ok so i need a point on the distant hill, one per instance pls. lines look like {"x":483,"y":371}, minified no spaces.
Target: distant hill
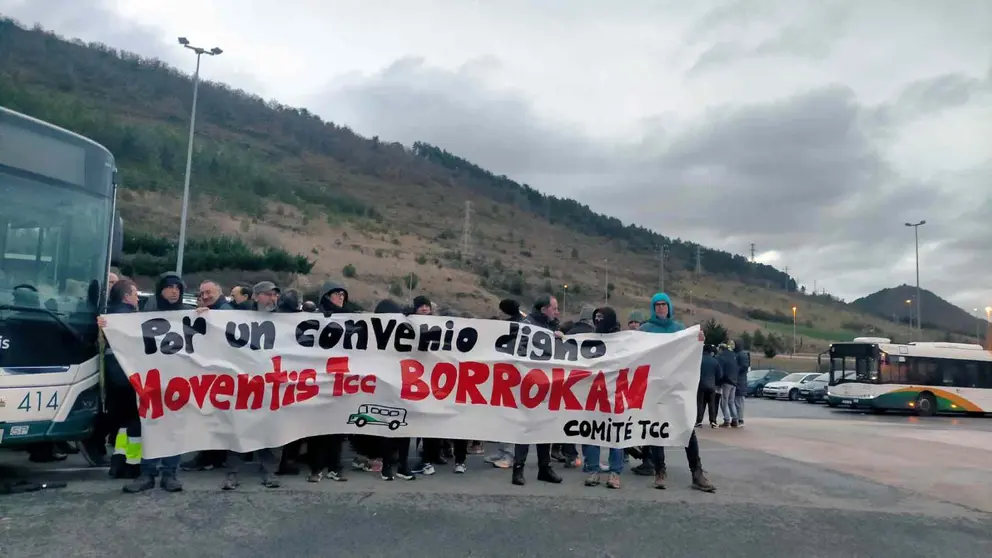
{"x":937,"y":312}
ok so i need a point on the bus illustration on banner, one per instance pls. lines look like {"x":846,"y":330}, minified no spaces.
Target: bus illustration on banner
{"x":393,"y":417}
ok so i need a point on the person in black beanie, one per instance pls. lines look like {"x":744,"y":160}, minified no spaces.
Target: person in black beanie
{"x":422,"y":306}
{"x":544,"y":315}
{"x":511,"y":308}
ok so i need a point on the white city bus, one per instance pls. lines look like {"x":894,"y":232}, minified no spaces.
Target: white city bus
{"x":58,"y":229}
{"x":926,"y":378}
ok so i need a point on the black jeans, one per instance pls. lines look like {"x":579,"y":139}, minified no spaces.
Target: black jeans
{"x":704,"y":398}
{"x":324,"y":452}
{"x":520,"y":452}
{"x":461,"y":450}
{"x":432,"y":450}
{"x":691,"y":453}
{"x":396,"y":454}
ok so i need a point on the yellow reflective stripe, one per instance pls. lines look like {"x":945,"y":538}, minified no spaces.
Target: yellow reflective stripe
{"x":133,"y":451}
{"x":120,"y":442}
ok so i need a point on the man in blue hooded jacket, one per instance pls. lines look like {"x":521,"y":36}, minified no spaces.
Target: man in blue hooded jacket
{"x":662,"y":321}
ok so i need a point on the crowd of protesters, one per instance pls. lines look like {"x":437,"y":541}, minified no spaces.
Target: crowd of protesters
{"x":389,"y":458}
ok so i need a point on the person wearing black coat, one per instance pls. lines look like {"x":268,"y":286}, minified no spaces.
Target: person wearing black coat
{"x":122,"y":405}
{"x":710,"y":372}
{"x":728,"y":385}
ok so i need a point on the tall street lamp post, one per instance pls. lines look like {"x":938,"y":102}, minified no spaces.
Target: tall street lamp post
{"x":189,"y":148}
{"x":919,"y":311}
{"x":794,"y":331}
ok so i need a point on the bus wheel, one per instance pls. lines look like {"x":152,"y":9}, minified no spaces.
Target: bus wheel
{"x":394,"y":425}
{"x":360,"y":422}
{"x":926,"y":404}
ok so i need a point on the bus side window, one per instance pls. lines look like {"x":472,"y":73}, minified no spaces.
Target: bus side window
{"x":984,"y":379}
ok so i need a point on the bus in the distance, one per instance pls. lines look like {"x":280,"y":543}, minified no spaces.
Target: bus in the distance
{"x":925,"y":378}
{"x":58,"y":231}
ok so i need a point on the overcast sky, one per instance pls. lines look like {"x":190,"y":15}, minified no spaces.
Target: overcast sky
{"x":814,"y":129}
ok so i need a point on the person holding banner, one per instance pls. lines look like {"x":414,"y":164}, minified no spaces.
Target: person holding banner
{"x":662,"y":321}
{"x":544,"y":314}
{"x":590,"y":454}
{"x":168,"y":297}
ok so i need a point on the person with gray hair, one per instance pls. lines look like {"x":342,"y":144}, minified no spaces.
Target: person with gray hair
{"x":266,"y":296}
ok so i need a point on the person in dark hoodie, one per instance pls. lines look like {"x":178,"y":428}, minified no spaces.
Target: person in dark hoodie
{"x":334,"y":299}
{"x":744,"y":366}
{"x":728,"y":385}
{"x":710,"y":373}
{"x":168,"y":297}
{"x":396,"y":451}
{"x":503,"y":458}
{"x":585,"y":322}
{"x":544,"y":314}
{"x":662,"y":320}
{"x":122,"y":406}
{"x":568,"y":453}
{"x":590,"y":454}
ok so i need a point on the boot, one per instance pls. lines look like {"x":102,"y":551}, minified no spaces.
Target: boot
{"x":518,"y":475}
{"x":700,"y":482}
{"x":140,"y":484}
{"x":547,"y":474}
{"x":659,"y":479}
{"x":170,"y":483}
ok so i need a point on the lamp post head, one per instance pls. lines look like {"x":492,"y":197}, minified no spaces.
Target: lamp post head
{"x":565,"y":286}
{"x":183,"y":41}
{"x":215,"y":51}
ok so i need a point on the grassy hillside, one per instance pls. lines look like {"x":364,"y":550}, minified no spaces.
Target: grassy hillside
{"x":281,"y":178}
{"x":937,"y":312}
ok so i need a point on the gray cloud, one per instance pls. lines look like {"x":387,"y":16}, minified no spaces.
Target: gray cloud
{"x":801,"y":176}
{"x":410,"y":101}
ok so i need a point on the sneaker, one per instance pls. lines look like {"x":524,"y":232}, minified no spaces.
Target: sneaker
{"x":592,"y":479}
{"x":315,"y":477}
{"x":373,"y":466}
{"x":613,"y":481}
{"x":558,"y":456}
{"x":575,"y":463}
{"x":714,"y":425}
{"x":725,"y":424}
{"x":734,"y":424}
{"x":700,"y":482}
{"x":359,"y":463}
{"x":698,"y":425}
{"x":386,"y":473}
{"x":140,"y":484}
{"x":740,"y":423}
{"x":659,"y":480}
{"x":230,"y":482}
{"x":504,"y":462}
{"x":460,"y":468}
{"x":170,"y":483}
{"x":334,"y":476}
{"x":477,"y":448}
{"x":407,"y":476}
{"x":424,"y":469}
{"x":271,"y":482}
{"x":195,"y":464}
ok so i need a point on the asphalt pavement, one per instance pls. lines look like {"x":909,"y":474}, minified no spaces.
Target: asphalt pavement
{"x":798,"y":480}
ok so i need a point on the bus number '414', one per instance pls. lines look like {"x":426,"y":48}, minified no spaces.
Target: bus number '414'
{"x":53,"y":402}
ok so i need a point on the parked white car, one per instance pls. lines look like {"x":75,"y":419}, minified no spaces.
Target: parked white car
{"x":788,"y":387}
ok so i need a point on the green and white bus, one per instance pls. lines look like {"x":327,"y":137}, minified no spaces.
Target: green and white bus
{"x":925,"y":378}
{"x":58,"y":231}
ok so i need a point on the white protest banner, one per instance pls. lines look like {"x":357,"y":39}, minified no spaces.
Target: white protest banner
{"x":246,"y":380}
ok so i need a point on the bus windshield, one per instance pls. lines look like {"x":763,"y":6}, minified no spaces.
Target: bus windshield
{"x":853,"y":362}
{"x":54,"y":244}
